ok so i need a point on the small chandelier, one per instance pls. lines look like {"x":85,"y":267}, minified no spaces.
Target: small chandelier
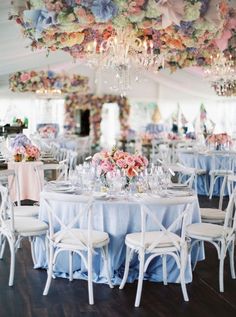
{"x":222,"y":74}
{"x":121,"y":52}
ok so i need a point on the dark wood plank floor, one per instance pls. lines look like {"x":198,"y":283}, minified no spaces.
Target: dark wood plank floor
{"x":70,"y":299}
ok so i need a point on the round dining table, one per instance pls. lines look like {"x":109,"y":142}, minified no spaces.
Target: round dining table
{"x":119,"y":216}
{"x":204,"y":160}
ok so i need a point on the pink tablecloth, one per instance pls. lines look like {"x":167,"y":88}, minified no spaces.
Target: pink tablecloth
{"x":28,"y":182}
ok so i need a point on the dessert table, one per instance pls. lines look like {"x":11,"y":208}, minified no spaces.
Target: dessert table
{"x":28,"y":183}
{"x":118,"y":216}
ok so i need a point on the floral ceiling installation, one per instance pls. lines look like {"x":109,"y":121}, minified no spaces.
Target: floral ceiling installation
{"x":189,"y":31}
{"x":94,"y":104}
{"x":34,"y":81}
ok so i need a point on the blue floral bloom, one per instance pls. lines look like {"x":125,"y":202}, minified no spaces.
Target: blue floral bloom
{"x":51,"y":74}
{"x":20,"y":140}
{"x":39,"y":20}
{"x":86,"y":3}
{"x":186,"y":27}
{"x":71,"y":3}
{"x":204,"y":7}
{"x":58,"y":84}
{"x":104,"y":10}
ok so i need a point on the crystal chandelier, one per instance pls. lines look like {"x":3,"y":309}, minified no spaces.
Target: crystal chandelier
{"x":48,"y":91}
{"x":222,"y":74}
{"x":122,"y":52}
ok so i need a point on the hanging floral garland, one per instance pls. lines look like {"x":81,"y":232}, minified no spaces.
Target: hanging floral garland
{"x":33,"y":81}
{"x":190,"y":30}
{"x":94,"y":104}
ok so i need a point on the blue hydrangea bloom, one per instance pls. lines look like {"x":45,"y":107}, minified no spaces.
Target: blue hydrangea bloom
{"x":58,"y":84}
{"x":104,"y":10}
{"x":51,"y":74}
{"x":39,"y":20}
{"x":20,"y":140}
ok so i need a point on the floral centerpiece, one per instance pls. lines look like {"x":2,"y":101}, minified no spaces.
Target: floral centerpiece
{"x":21,"y":146}
{"x":48,"y":131}
{"x":115,"y":160}
{"x":32,"y":153}
{"x":220,"y":140}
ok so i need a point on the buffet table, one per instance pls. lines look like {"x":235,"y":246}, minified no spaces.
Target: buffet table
{"x":117,"y":216}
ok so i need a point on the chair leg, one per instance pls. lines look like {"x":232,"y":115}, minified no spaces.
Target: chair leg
{"x":140,"y":279}
{"x":164,"y":269}
{"x":32,"y":240}
{"x":211,"y":186}
{"x":3,"y":245}
{"x":90,"y":278}
{"x":231,"y":255}
{"x":206,"y":184}
{"x":221,"y":269}
{"x":50,"y":270}
{"x":70,"y":266}
{"x":222,"y":191}
{"x":105,"y":258}
{"x":128,"y":257}
{"x":12,"y":265}
{"x":184,"y":257}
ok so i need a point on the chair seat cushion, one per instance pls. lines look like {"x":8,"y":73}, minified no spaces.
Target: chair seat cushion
{"x":134,"y":239}
{"x":212,"y":214}
{"x":206,"y":230}
{"x":76,"y":236}
{"x":26,"y":211}
{"x":28,"y":226}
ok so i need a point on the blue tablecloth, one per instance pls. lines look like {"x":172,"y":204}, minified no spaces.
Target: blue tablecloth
{"x":118,"y":218}
{"x":204,"y":161}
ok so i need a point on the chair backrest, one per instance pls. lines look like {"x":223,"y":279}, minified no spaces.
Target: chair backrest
{"x":6,"y":208}
{"x":62,"y":225}
{"x":178,"y":225}
{"x":60,"y":168}
{"x":9,"y":178}
{"x":230,"y":217}
{"x":222,"y":160}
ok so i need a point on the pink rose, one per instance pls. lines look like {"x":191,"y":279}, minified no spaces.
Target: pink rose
{"x":121,"y":163}
{"x":107,"y":166}
{"x":24,"y":77}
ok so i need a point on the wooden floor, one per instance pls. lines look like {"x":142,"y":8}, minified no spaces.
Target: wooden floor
{"x":70,"y":299}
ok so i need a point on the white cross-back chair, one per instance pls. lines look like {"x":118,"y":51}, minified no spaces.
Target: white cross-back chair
{"x":221,"y":236}
{"x":14,"y":229}
{"x":59,"y":168}
{"x":162,"y":242}
{"x":9,"y":178}
{"x":186,"y":175}
{"x":74,"y":237}
{"x":222,"y":165}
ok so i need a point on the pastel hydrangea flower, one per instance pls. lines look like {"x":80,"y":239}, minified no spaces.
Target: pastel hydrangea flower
{"x":104,"y":10}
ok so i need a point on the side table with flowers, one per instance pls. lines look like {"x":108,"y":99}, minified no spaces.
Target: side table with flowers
{"x":23,"y":148}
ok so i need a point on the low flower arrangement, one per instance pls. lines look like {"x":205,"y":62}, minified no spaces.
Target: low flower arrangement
{"x":48,"y":131}
{"x":32,"y":153}
{"x":22,"y":147}
{"x":130,"y":164}
{"x":219,"y":140}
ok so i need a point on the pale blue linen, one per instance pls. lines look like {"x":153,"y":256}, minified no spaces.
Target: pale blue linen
{"x":204,"y":162}
{"x":117,"y":218}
